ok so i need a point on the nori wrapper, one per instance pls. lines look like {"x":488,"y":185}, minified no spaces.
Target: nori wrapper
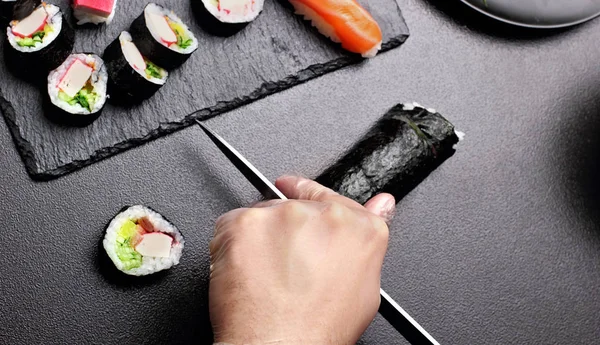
{"x":34,"y":66}
{"x":6,"y":12}
{"x":126,"y":85}
{"x":211,"y":24}
{"x":153,"y":50}
{"x":395,"y":155}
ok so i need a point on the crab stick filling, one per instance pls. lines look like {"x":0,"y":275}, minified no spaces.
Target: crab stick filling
{"x":35,"y":22}
{"x":133,"y":55}
{"x":160,"y":26}
{"x":75,"y":78}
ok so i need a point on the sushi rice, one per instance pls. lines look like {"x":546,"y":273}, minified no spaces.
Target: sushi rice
{"x":87,"y":18}
{"x":173,"y":18}
{"x":114,"y":240}
{"x":252,"y":9}
{"x":99,"y":81}
{"x":54,"y":20}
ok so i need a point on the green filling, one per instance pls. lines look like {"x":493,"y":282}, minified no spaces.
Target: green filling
{"x":36,"y":38}
{"x":84,"y":98}
{"x":183,"y":41}
{"x":125,"y":251}
{"x":153,"y":71}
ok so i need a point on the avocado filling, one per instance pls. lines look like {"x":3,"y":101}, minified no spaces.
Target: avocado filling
{"x":36,"y":38}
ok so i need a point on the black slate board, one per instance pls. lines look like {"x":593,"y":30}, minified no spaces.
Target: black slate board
{"x":275,"y":52}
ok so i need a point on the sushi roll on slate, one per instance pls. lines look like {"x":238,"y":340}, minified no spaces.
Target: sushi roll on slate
{"x":343,"y":21}
{"x":162,"y":37}
{"x":77,"y":90}
{"x":132,"y":77}
{"x":6,"y":11}
{"x":40,"y":39}
{"x":395,"y":155}
{"x":139,"y":241}
{"x":94,"y":11}
{"x":226,"y":17}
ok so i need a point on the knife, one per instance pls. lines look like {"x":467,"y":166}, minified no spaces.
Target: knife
{"x":389,"y":309}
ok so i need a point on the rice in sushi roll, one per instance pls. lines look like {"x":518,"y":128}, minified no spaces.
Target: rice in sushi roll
{"x":140,"y":241}
{"x":77,"y":90}
{"x":162,"y":37}
{"x":226,"y":17}
{"x":132,"y":76}
{"x":40,"y":39}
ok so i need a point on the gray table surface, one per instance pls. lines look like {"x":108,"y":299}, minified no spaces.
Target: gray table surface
{"x":500,"y":245}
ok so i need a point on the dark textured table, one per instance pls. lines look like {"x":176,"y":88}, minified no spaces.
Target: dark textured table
{"x":500,"y":245}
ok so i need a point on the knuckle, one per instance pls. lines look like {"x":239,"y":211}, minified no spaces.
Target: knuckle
{"x":335,"y":212}
{"x":248,"y":219}
{"x":380,"y":228}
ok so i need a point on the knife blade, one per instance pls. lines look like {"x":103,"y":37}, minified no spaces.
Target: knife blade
{"x":389,"y":309}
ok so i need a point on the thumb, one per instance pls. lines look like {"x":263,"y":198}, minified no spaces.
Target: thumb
{"x":382,"y":205}
{"x":300,"y":188}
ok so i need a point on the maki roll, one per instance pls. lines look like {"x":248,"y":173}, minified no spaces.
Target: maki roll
{"x":94,"y":11}
{"x":132,"y":76}
{"x":139,"y":241}
{"x":40,"y":39}
{"x":6,"y":11}
{"x":162,"y":37}
{"x":77,"y":90}
{"x":226,"y":17}
{"x":395,"y":155}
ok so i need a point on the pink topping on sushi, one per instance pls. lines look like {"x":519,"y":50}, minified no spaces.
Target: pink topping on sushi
{"x":102,"y":8}
{"x":33,"y":23}
{"x":75,"y":78}
{"x":155,"y":244}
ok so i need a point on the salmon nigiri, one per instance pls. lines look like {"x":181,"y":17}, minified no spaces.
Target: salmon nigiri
{"x":343,"y":21}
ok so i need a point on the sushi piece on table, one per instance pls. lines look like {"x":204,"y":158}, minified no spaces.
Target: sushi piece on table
{"x":132,"y":77}
{"x":162,"y":37}
{"x":6,"y":11}
{"x":395,"y":155}
{"x":343,"y":21}
{"x":226,"y":17}
{"x":39,"y":40}
{"x":94,"y":11}
{"x":140,"y":241}
{"x":77,"y":90}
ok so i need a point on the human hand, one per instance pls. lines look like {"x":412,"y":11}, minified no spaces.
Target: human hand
{"x":303,"y":271}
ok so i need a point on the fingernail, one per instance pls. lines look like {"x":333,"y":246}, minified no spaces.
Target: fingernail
{"x":389,"y":210}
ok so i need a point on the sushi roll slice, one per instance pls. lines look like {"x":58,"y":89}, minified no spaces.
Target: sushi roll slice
{"x":395,"y":155}
{"x":40,"y":39}
{"x":77,"y":90}
{"x":140,"y":241}
{"x":162,"y":37}
{"x":226,"y":17}
{"x":6,"y":11}
{"x":343,"y":21}
{"x":94,"y":11}
{"x":132,"y":77}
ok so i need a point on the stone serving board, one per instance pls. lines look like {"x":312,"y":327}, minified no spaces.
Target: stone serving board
{"x":275,"y":52}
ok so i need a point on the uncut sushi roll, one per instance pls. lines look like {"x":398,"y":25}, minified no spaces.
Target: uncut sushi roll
{"x":395,"y":155}
{"x":40,"y":39}
{"x":343,"y":21}
{"x":140,"y":241}
{"x":77,"y":90}
{"x":226,"y":17}
{"x":132,"y":77}
{"x":162,"y":37}
{"x":94,"y":11}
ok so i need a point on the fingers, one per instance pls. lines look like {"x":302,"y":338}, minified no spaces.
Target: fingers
{"x":295,"y":187}
{"x":382,"y":205}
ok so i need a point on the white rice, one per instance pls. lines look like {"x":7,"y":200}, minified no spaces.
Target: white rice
{"x":126,"y":36}
{"x":154,"y":8}
{"x":85,"y":18}
{"x":55,"y":20}
{"x":149,"y":264}
{"x":99,"y":81}
{"x":256,"y":8}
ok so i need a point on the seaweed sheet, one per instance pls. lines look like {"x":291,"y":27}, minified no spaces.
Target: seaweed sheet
{"x":394,"y":156}
{"x":276,"y":51}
